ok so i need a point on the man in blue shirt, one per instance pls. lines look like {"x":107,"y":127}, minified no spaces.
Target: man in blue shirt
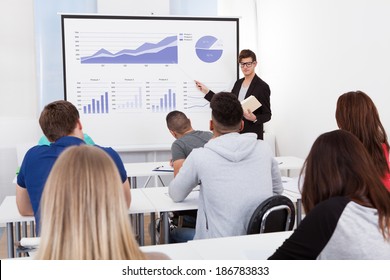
{"x":60,"y":122}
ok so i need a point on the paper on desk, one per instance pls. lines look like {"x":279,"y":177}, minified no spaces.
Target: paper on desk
{"x":164,"y":168}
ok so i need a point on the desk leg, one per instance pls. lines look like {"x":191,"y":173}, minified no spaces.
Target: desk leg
{"x":141,"y":230}
{"x":32,"y":229}
{"x":133,"y":182}
{"x":161,"y":181}
{"x":17,"y":235}
{"x":10,"y":240}
{"x":24,"y":229}
{"x":299,"y":211}
{"x":135,"y":221}
{"x":153,"y":228}
{"x":164,"y":231}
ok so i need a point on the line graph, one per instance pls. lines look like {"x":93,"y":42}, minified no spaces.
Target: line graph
{"x":102,"y":48}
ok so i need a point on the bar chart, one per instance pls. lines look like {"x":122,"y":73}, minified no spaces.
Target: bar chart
{"x":127,"y":96}
{"x":161,"y":97}
{"x":97,"y":105}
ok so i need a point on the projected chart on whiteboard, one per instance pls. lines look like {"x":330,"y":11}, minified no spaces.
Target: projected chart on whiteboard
{"x":125,"y":73}
{"x":209,"y":49}
{"x":93,"y":97}
{"x":160,"y":97}
{"x":126,"y":47}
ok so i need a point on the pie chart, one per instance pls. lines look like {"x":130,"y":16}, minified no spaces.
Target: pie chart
{"x":209,"y":49}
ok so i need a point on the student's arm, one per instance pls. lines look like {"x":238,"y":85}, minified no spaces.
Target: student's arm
{"x":23,"y":202}
{"x":187,"y":179}
{"x":313,"y":233}
{"x":277,"y":185}
{"x":126,"y":191}
{"x":177,"y":164}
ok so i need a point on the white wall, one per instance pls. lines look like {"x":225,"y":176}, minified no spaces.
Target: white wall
{"x":310,"y":52}
{"x":18,"y":97}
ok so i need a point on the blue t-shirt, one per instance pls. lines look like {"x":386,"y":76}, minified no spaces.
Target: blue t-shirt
{"x":39,"y":160}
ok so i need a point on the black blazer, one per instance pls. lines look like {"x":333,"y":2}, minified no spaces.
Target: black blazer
{"x":262,"y":92}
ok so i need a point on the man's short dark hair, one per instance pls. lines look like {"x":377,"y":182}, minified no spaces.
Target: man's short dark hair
{"x":245,"y":54}
{"x":226,"y":111}
{"x":177,"y":121}
{"x":58,"y":119}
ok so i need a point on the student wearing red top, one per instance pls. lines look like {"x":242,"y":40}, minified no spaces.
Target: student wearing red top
{"x":356,"y":113}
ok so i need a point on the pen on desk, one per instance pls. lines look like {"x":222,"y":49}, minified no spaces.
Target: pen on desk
{"x":158,"y":167}
{"x":281,"y":162}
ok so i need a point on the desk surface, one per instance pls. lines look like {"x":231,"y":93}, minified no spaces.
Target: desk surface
{"x":140,"y":169}
{"x":9,"y":212}
{"x":245,"y":247}
{"x":290,"y":163}
{"x":162,"y":202}
{"x":146,"y":168}
{"x":140,"y":203}
{"x":178,"y":251}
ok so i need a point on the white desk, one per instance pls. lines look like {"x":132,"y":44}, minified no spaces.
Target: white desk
{"x":178,"y":251}
{"x":140,"y":205}
{"x":245,"y":247}
{"x":9,"y":214}
{"x":290,"y":163}
{"x":145,"y":169}
{"x":162,"y":202}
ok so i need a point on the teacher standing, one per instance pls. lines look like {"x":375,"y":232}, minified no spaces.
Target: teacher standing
{"x":251,"y":84}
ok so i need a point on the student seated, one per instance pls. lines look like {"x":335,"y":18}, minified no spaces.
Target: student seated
{"x":84,"y":213}
{"x":347,"y":207}
{"x":187,"y":139}
{"x":357,"y":113}
{"x":60,"y":122}
{"x":236,"y":172}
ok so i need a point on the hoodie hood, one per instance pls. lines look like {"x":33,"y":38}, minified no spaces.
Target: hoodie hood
{"x":233,"y":146}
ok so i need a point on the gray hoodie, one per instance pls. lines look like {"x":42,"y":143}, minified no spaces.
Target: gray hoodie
{"x":236,"y":172}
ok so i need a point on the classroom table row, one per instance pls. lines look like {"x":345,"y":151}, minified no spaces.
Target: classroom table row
{"x":163,"y":169}
{"x":245,"y":247}
{"x":144,"y":201}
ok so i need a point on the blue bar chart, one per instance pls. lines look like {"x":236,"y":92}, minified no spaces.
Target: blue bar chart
{"x":165,"y":103}
{"x":127,"y":96}
{"x":98,"y":105}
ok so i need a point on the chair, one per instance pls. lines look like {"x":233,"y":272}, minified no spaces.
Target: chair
{"x":276,"y":213}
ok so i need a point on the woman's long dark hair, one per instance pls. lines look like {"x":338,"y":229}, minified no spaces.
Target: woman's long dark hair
{"x":339,"y":165}
{"x":356,"y":113}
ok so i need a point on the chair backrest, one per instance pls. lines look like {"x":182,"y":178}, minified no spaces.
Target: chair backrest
{"x":276,"y":213}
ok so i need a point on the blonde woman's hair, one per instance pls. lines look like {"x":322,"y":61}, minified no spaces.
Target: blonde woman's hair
{"x":83,"y":210}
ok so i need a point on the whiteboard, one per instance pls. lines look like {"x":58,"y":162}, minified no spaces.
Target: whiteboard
{"x":124,"y":74}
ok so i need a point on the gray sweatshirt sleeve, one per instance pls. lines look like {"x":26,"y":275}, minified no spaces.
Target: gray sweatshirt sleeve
{"x":277,"y":185}
{"x":187,"y":179}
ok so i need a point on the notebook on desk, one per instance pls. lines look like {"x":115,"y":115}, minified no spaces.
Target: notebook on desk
{"x":164,"y":168}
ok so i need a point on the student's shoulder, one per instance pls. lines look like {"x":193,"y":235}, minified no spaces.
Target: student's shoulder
{"x":331,"y":208}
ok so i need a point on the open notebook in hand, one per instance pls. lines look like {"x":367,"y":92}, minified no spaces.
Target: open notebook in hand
{"x":250,"y":103}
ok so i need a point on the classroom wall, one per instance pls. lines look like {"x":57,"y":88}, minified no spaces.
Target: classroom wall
{"x":309,"y":52}
{"x":313,"y":51}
